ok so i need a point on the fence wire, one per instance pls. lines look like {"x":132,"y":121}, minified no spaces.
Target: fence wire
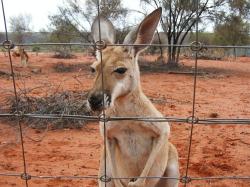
{"x":190,"y":119}
{"x":194,"y":96}
{"x":195,"y":46}
{"x":16,"y":100}
{"x":104,"y":178}
{"x":124,"y":45}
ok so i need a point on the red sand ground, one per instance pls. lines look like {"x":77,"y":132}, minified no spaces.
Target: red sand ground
{"x":217,"y":150}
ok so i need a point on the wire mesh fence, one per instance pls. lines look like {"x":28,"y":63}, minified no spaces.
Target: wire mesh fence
{"x":195,"y":46}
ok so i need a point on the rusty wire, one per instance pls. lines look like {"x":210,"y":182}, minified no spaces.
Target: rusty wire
{"x":123,"y":45}
{"x":104,"y":178}
{"x":181,"y":179}
{"x":207,"y":121}
{"x":16,"y":99}
{"x":195,"y":46}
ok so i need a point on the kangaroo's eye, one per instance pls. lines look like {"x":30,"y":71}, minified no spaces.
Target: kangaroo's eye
{"x":92,"y":69}
{"x":121,"y":70}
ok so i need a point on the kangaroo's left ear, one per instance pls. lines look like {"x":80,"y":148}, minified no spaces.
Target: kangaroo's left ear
{"x":143,"y":34}
{"x":107,"y":30}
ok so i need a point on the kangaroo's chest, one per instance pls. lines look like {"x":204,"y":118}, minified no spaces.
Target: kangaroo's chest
{"x":134,"y":143}
{"x":132,"y":138}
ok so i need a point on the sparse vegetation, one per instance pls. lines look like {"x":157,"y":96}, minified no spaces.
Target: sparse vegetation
{"x":67,"y":102}
{"x":61,"y":67}
{"x":36,"y":49}
{"x":63,"y":53}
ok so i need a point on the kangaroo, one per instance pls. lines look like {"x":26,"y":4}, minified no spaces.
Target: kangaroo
{"x":135,"y":149}
{"x":20,"y":52}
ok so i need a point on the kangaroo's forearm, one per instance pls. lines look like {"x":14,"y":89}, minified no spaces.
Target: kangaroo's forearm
{"x":111,"y":154}
{"x":158,"y":144}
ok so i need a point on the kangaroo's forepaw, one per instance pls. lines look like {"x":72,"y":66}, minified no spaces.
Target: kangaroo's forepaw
{"x":136,"y":183}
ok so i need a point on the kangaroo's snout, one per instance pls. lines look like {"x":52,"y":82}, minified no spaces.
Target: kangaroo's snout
{"x":99,"y":101}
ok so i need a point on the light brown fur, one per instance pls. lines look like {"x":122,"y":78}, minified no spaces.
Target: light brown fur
{"x":20,"y":52}
{"x":134,"y":148}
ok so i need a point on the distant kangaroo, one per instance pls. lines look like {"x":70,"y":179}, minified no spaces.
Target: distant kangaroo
{"x":20,"y":52}
{"x":134,"y":148}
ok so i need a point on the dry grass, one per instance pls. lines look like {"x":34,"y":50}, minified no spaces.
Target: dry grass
{"x":67,"y":103}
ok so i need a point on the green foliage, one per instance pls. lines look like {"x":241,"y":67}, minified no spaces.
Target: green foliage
{"x":232,"y":23}
{"x":62,"y":31}
{"x":204,"y":37}
{"x":234,"y":31}
{"x":36,"y":49}
{"x":111,"y":9}
{"x":73,"y":21}
{"x":75,"y":17}
{"x":179,"y":18}
{"x":240,"y":7}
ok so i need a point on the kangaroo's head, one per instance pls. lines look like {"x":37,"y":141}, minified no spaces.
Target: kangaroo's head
{"x":118,"y":74}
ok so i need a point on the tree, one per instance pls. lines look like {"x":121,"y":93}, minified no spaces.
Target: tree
{"x":19,"y":25}
{"x":232,"y":23}
{"x":79,"y":15}
{"x":74,"y":18}
{"x":232,"y":31}
{"x":62,"y":31}
{"x":178,"y":19}
{"x":240,"y":8}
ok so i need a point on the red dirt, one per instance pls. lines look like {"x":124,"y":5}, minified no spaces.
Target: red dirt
{"x":217,"y":150}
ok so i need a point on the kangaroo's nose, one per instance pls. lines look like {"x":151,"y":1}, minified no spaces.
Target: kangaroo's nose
{"x":95,"y":101}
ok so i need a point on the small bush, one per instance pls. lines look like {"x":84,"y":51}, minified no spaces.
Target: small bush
{"x":63,"y":68}
{"x":36,"y":49}
{"x":67,"y":103}
{"x":63,"y":54}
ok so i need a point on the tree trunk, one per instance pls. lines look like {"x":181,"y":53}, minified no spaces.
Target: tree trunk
{"x":178,"y":54}
{"x":235,"y":53}
{"x":172,"y":58}
{"x":161,"y":50}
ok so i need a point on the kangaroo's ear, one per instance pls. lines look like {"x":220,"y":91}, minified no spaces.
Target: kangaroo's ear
{"x":143,"y":34}
{"x":131,"y":36}
{"x":107,"y":30}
